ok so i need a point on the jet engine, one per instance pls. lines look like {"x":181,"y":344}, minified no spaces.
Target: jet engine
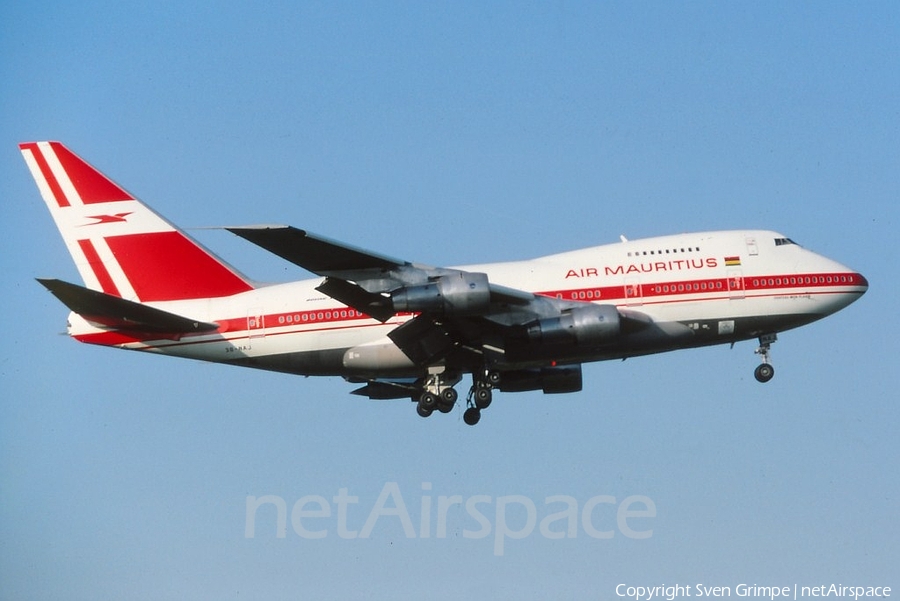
{"x":459,"y":293}
{"x":582,"y":326}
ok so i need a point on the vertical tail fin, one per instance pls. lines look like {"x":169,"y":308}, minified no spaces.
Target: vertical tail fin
{"x":120,"y":245}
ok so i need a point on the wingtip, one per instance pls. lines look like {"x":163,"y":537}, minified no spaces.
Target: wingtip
{"x":47,"y":283}
{"x":257,"y":226}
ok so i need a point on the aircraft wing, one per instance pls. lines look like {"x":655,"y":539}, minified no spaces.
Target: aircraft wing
{"x":327,"y":257}
{"x":457,"y":312}
{"x":372,"y":282}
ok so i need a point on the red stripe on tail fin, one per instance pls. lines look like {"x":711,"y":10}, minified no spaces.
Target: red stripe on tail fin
{"x":92,"y":186}
{"x":44,"y":168}
{"x":99,"y":269}
{"x":169,"y":265}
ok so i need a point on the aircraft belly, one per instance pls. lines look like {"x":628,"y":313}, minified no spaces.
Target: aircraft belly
{"x":327,"y":362}
{"x":310,"y":352}
{"x":307,"y":352}
{"x":663,"y":336}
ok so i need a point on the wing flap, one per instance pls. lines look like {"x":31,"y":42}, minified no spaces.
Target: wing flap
{"x":509,"y":296}
{"x":352,"y":295}
{"x":423,"y":339}
{"x":117,"y":313}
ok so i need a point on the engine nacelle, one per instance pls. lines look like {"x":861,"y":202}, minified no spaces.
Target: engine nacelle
{"x":460,"y":293}
{"x":582,"y":326}
{"x":552,"y":380}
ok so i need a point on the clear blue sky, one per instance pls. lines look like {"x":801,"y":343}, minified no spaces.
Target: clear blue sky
{"x":454,"y":133}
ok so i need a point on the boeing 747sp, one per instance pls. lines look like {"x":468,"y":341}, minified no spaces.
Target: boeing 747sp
{"x":405,"y":330}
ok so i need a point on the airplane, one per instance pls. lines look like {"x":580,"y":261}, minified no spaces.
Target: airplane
{"x":404,"y":330}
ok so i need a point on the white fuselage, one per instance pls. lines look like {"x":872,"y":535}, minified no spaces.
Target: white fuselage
{"x":716,"y":286}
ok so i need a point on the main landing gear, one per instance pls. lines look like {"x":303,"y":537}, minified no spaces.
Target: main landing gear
{"x":438,"y":394}
{"x":765,"y":371}
{"x":480,"y":395}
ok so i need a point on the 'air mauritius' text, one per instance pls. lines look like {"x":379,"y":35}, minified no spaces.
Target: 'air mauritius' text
{"x":649,"y":267}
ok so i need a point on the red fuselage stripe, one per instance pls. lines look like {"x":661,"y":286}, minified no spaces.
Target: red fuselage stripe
{"x":675,"y":292}
{"x":736,"y":284}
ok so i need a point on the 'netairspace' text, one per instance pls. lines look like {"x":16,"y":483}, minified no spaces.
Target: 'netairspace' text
{"x":506,"y":517}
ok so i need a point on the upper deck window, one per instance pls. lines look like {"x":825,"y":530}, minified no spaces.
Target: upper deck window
{"x":644,"y":253}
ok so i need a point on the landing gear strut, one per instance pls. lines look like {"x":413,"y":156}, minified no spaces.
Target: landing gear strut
{"x":764,"y":372}
{"x":480,"y":395}
{"x":437,"y":393}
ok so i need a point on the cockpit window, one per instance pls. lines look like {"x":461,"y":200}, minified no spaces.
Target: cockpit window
{"x":783,"y":241}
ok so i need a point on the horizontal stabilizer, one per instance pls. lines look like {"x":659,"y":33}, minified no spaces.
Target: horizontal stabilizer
{"x":314,"y":253}
{"x":120,"y":314}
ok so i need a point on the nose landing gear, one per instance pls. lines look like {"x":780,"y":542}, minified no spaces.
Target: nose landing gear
{"x":765,"y":371}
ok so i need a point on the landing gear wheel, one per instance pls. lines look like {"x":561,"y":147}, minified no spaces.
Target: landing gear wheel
{"x":448,"y":396}
{"x":423,"y":411}
{"x":764,"y":373}
{"x":446,"y":400}
{"x":472,"y":415}
{"x":428,"y":401}
{"x":483,"y":398}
